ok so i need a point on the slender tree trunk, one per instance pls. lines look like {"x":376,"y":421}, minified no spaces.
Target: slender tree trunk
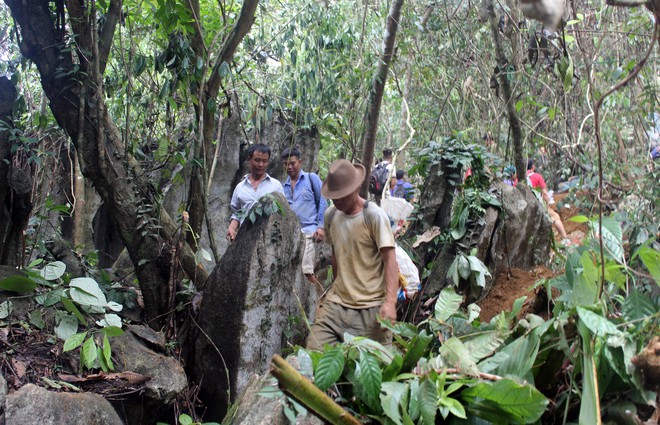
{"x":376,"y":94}
{"x":198,"y":202}
{"x":503,"y":77}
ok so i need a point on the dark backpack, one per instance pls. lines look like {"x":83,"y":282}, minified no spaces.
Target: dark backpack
{"x":378,"y":178}
{"x":399,"y":191}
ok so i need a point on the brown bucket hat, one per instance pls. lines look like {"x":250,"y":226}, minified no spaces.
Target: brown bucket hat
{"x":343,"y":179}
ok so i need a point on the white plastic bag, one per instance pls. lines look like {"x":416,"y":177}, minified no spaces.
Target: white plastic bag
{"x":409,"y":272}
{"x":396,"y":208}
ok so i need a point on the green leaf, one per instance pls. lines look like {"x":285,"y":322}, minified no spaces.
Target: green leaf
{"x":53,"y":271}
{"x":36,"y":318}
{"x":391,"y":397}
{"x":454,"y":406}
{"x":447,"y":304}
{"x":185,"y":419}
{"x":612,"y":237}
{"x":522,"y":353}
{"x":74,"y":341}
{"x":428,"y":400}
{"x":596,"y":323}
{"x":66,"y":326}
{"x":18,"y":284}
{"x":5,"y":309}
{"x":455,"y":353}
{"x":483,"y":344}
{"x":637,"y":305}
{"x":89,"y":353}
{"x":463,"y":267}
{"x":85,"y":291}
{"x":651,"y":259}
{"x":392,"y":369}
{"x":520,"y":403}
{"x":579,"y":219}
{"x":329,"y":368}
{"x":590,"y":400}
{"x":107,"y":352}
{"x":416,"y":349}
{"x":112,"y":331}
{"x":368,"y":379}
{"x":71,"y":308}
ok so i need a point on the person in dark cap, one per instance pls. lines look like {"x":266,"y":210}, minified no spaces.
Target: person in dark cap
{"x":363,"y":263}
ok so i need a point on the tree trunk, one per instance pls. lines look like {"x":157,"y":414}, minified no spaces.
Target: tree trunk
{"x":75,"y":92}
{"x":376,"y":94}
{"x":503,"y":76}
{"x":198,"y":202}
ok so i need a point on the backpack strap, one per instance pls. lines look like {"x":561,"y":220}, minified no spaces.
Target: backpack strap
{"x":315,"y":190}
{"x":367,"y":220}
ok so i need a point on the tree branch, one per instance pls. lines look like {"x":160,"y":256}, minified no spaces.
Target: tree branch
{"x":107,"y":32}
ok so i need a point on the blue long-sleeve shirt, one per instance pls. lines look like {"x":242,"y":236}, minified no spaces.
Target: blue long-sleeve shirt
{"x":303,"y":201}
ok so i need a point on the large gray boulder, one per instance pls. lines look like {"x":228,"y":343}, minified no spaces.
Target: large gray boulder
{"x":251,"y":308}
{"x":519,"y":235}
{"x":36,"y":405}
{"x":136,"y":351}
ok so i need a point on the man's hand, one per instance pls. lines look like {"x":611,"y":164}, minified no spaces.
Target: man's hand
{"x":319,"y":235}
{"x":388,"y":311}
{"x":232,"y":230}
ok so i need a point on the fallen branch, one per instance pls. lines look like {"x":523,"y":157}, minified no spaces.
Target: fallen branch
{"x":297,"y":386}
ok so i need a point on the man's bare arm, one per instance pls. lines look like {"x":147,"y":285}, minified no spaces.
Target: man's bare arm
{"x":391,"y":270}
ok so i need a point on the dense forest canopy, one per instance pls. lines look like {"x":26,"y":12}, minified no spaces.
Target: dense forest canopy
{"x":124,"y":124}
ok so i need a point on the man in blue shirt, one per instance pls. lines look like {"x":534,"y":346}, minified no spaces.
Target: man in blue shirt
{"x":303,"y":191}
{"x":252,"y":186}
{"x":402,"y":188}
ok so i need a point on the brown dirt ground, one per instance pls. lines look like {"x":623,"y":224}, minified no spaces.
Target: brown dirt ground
{"x":515,"y":283}
{"x":509,"y":286}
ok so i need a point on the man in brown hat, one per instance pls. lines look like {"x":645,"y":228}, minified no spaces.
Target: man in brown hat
{"x":363,"y":262}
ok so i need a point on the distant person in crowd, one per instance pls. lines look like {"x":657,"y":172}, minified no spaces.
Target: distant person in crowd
{"x":380,"y":173}
{"x":401,"y":188}
{"x":489,"y":142}
{"x":303,"y":192}
{"x":363,"y":263}
{"x":509,"y":175}
{"x":536,"y":181}
{"x":252,"y":186}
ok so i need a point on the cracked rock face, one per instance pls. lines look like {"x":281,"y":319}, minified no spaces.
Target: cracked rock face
{"x":36,"y":405}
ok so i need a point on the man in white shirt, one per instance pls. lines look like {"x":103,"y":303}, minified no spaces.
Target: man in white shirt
{"x":252,"y":186}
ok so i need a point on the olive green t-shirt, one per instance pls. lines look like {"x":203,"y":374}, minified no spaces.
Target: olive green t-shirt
{"x":360,"y":280}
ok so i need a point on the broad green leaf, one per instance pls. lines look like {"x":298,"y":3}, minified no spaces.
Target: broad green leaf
{"x":109,"y":319}
{"x":74,"y":341}
{"x":329,"y":368}
{"x":414,"y":401}
{"x":89,"y":353}
{"x":391,"y":396}
{"x":477,"y":265}
{"x":590,"y":400}
{"x":185,"y":419}
{"x":85,"y":291}
{"x":36,"y":318}
{"x":521,"y":403}
{"x":522,"y":353}
{"x":473,"y":312}
{"x":18,"y":284}
{"x":463,"y":267}
{"x":579,"y":219}
{"x":107,"y":352}
{"x":66,"y":326}
{"x":453,"y":406}
{"x":5,"y":309}
{"x":50,"y":298}
{"x":596,"y":323}
{"x":392,"y":369}
{"x":453,"y":271}
{"x":428,"y":400}
{"x":112,"y":331}
{"x":71,"y":308}
{"x":457,"y":355}
{"x":447,"y":304}
{"x":368,"y":379}
{"x":483,"y":345}
{"x":417,"y":347}
{"x":53,"y":271}
{"x":305,"y":362}
{"x":651,"y":259}
{"x":637,"y":305}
